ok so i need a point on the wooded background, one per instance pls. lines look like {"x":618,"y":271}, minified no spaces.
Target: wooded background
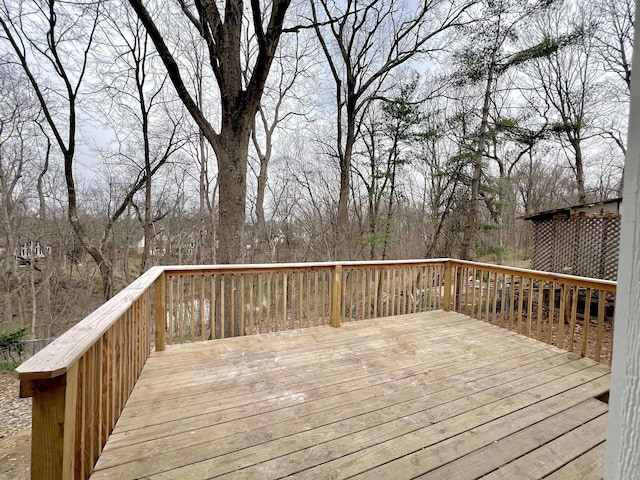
{"x":137,"y":134}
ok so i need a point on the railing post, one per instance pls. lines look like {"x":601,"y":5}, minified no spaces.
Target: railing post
{"x":336,"y":289}
{"x":160,"y":311}
{"x":447,"y":286}
{"x":53,"y":447}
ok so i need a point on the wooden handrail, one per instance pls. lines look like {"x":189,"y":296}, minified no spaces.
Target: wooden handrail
{"x":92,"y":368}
{"x":606,"y":285}
{"x":65,"y":351}
{"x":81,"y":381}
{"x":271,"y":267}
{"x":567,"y":311}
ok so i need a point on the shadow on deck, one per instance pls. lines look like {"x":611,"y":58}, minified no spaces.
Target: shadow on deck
{"x":433,"y":395}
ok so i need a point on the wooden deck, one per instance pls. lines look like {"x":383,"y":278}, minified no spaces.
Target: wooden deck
{"x":433,"y":395}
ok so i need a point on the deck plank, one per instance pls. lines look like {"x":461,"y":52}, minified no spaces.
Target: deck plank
{"x":589,"y":466}
{"x":497,"y":443}
{"x":419,"y":394}
{"x":319,"y":399}
{"x":548,"y":458}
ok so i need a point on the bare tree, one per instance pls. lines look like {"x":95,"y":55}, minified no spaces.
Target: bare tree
{"x":18,"y":116}
{"x":566,"y":84}
{"x":139,"y":109}
{"x":38,"y":37}
{"x":56,"y":64}
{"x":615,"y":37}
{"x":363,"y":42}
{"x":293,"y":64}
{"x":222,"y":29}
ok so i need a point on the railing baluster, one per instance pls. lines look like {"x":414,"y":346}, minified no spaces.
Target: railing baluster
{"x":192,"y":298}
{"x":552,"y":312}
{"x":212,"y":308}
{"x":344,"y":295}
{"x":336,"y":289}
{"x":520,"y":303}
{"x":301,"y":299}
{"x":261,"y":304}
{"x":251,"y":304}
{"x":285,"y":293}
{"x":160,"y":312}
{"x":540,"y":309}
{"x":363,"y":292}
{"x":494,"y":306}
{"x":572,"y":318}
{"x":474,"y":310}
{"x":201,"y":309}
{"x":600,"y":330}
{"x":171,"y":308}
{"x":181,"y":308}
{"x":403,"y":296}
{"x":233,"y":305}
{"x":486,"y":294}
{"x":268,"y":298}
{"x":376,"y":282}
{"x":308,"y":304}
{"x":314,"y":314}
{"x":561,"y":316}
{"x":223,"y":319}
{"x":586,"y":321}
{"x":529,"y":305}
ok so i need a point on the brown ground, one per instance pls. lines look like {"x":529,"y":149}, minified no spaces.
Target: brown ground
{"x":15,"y":430}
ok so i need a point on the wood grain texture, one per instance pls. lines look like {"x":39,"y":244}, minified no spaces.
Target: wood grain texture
{"x":395,"y":398}
{"x":65,"y":351}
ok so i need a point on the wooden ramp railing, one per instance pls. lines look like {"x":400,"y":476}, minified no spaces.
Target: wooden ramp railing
{"x":81,"y":381}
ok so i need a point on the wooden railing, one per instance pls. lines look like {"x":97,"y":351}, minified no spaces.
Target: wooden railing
{"x":573,"y":313}
{"x":81,"y":381}
{"x":227,"y":301}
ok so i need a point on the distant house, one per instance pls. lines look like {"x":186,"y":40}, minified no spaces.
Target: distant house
{"x":29,"y":250}
{"x":163,"y":244}
{"x":33,"y":249}
{"x":580,"y":240}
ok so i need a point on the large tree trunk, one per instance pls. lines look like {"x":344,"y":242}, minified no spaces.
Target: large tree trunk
{"x":341,"y":241}
{"x":101,"y":260}
{"x":470,"y":222}
{"x":232,"y":174}
{"x":577,"y":148}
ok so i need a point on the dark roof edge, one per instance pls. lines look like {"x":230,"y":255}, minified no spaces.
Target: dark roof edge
{"x":547,"y":213}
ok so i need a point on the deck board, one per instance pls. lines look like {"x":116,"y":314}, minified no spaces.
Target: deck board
{"x":430,"y":395}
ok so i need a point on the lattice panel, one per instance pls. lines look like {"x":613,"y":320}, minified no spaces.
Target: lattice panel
{"x":544,"y":245}
{"x":589,"y":246}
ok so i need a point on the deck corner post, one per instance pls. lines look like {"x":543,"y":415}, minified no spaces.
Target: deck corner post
{"x":336,"y":288}
{"x":53,"y":444}
{"x":160,"y":312}
{"x":447,"y":286}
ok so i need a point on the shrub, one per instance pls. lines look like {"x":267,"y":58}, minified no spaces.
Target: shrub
{"x":11,"y":344}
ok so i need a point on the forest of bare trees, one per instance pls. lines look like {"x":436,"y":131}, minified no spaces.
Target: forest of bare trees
{"x":141,"y":133}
